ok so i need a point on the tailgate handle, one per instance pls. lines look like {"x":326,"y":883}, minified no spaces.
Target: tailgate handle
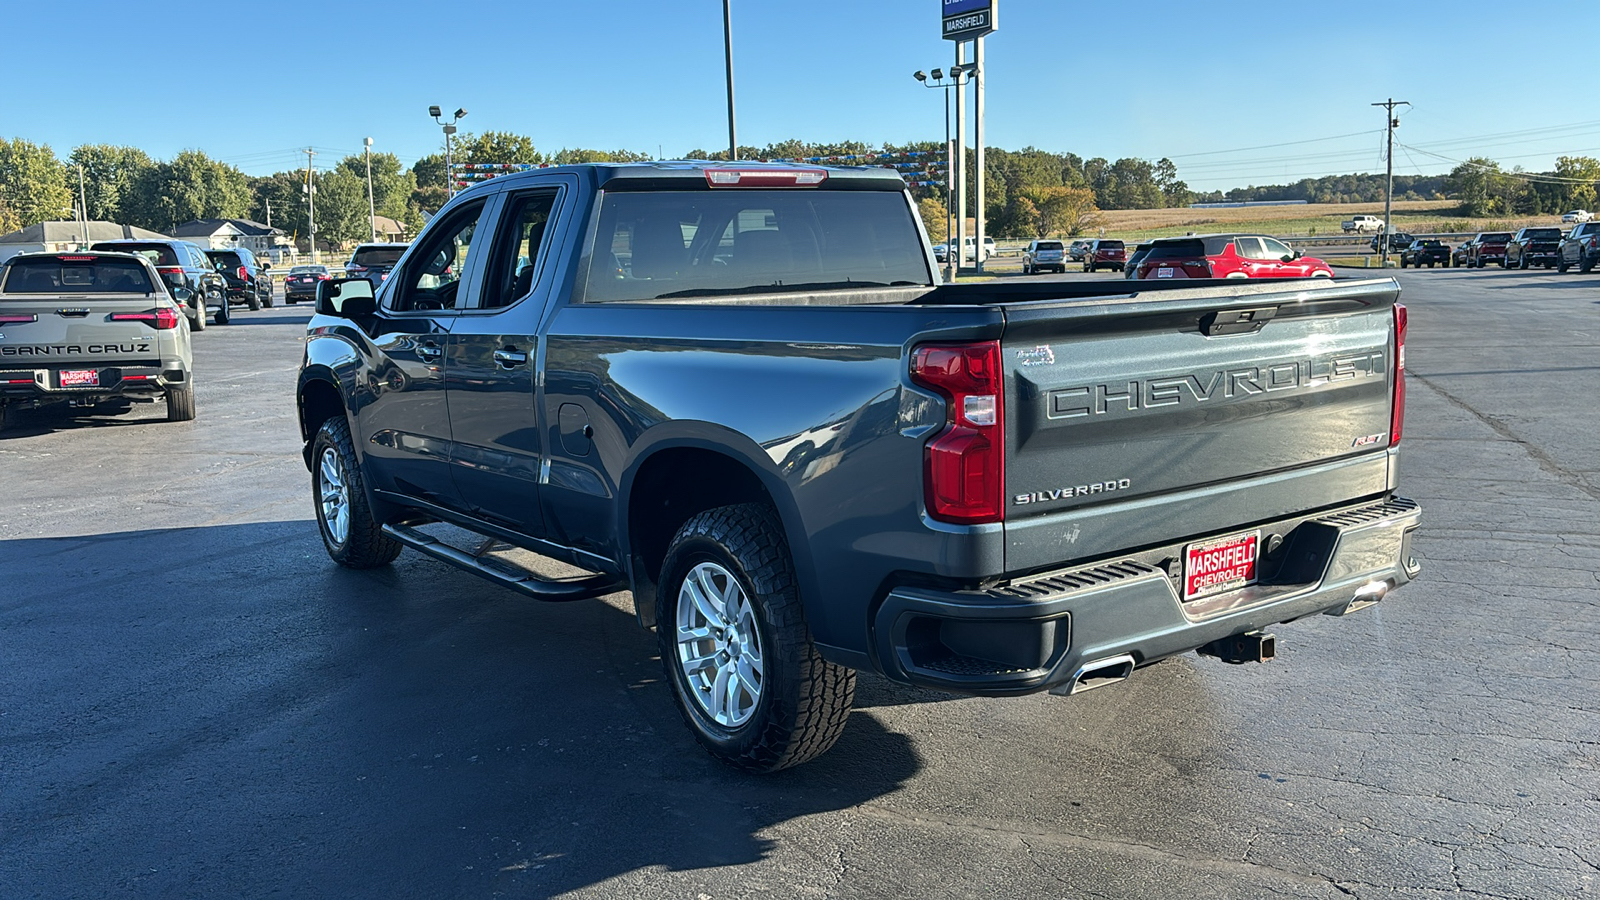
{"x":73,"y":312}
{"x":1236,"y":321}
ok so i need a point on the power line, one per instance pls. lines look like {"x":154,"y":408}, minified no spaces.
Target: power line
{"x":1272,"y":146}
{"x":1524,"y":176}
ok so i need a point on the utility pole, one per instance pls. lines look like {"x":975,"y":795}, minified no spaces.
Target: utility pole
{"x":727,"y":41}
{"x":1390,"y":123}
{"x":372,"y":208}
{"x":83,"y":202}
{"x":960,"y":173}
{"x":269,"y":212}
{"x":311,"y":204}
{"x":977,"y":138}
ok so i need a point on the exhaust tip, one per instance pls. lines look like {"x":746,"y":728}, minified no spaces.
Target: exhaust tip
{"x":1101,"y":672}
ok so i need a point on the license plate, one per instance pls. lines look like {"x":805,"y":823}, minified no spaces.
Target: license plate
{"x":1164,"y":272}
{"x":1223,"y":564}
{"x":79,"y":378}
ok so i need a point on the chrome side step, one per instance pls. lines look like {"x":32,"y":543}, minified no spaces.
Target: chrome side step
{"x":504,"y":573}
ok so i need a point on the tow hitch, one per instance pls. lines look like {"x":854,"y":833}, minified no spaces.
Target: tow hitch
{"x":1253,"y":646}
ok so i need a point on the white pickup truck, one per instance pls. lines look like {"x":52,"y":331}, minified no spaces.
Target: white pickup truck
{"x":1361,"y":224}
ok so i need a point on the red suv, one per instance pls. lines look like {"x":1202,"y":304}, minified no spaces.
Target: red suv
{"x":1103,"y":254}
{"x":1228,"y":256}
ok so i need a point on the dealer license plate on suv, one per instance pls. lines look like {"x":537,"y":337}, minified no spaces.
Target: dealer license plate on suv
{"x":1223,"y":564}
{"x":79,"y":378}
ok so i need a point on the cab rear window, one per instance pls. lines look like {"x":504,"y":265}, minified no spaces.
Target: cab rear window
{"x":67,"y":275}
{"x":1544,"y":234}
{"x":160,"y":254}
{"x":1499,"y":236}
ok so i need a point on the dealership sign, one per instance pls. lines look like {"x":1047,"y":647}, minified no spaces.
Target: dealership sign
{"x":964,"y":20}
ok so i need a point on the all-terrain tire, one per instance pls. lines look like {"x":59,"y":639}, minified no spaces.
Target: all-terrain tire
{"x":364,"y":546}
{"x":804,"y":700}
{"x":180,"y":403}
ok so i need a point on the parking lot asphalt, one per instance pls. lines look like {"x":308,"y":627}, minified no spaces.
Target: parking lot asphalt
{"x":196,"y":702}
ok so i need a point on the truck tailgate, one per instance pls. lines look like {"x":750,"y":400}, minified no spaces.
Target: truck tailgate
{"x":1167,"y":397}
{"x":61,"y":330}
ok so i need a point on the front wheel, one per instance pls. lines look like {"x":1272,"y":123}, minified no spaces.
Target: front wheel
{"x":197,"y":322}
{"x":352,"y":536}
{"x":254,"y":300}
{"x":737,"y":651}
{"x":1561,"y":266}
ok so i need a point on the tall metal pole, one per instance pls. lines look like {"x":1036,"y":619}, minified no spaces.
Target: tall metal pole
{"x":1388,"y":193}
{"x":977,"y":137}
{"x":83,"y":202}
{"x":950,"y":261}
{"x":311,"y":204}
{"x":727,"y":41}
{"x":960,"y":173}
{"x":372,"y":208}
{"x":449,"y":170}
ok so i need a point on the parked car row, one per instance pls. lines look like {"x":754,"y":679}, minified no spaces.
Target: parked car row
{"x":1225,"y":256}
{"x":1534,"y":246}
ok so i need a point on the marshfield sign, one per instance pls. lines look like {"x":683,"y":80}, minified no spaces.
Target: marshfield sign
{"x":967,"y":19}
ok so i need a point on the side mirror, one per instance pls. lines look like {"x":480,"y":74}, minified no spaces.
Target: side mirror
{"x":348,"y":298}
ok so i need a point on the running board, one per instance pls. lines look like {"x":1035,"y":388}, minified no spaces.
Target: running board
{"x":504,"y":573}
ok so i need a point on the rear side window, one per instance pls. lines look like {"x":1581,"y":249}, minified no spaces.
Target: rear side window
{"x":81,"y":275}
{"x":655,"y":245}
{"x":377,"y":256}
{"x":160,"y":254}
{"x":1189,"y":249}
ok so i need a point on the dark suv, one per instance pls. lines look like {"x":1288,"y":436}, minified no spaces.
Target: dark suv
{"x":1533,"y":247}
{"x":1429,"y":252}
{"x":182,"y":265}
{"x":1581,"y":248}
{"x":374,"y":261}
{"x":248,"y":281}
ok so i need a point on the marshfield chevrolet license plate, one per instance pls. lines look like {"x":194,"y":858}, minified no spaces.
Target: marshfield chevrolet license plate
{"x":79,"y":378}
{"x":1223,"y":564}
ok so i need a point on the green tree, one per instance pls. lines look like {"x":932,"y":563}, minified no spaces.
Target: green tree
{"x":110,"y":177}
{"x":284,"y":193}
{"x":1583,"y":169}
{"x":191,"y":186}
{"x":342,"y":207}
{"x":429,"y":194}
{"x":1479,"y":185}
{"x":392,"y":186}
{"x":1174,"y":191}
{"x":33,"y":184}
{"x":496,"y":147}
{"x":935,"y":218}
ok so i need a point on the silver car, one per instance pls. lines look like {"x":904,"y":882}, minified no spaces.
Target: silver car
{"x":1044,"y":255}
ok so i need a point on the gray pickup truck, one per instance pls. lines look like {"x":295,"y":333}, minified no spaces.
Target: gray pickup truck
{"x":740,"y":392}
{"x":92,"y":329}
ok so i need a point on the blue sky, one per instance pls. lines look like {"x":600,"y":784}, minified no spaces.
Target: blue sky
{"x":1154,"y":79}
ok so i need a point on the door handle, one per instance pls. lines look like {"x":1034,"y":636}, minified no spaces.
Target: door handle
{"x":510,"y":357}
{"x":429,"y":352}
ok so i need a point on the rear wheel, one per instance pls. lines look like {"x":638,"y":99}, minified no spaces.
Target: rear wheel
{"x":180,"y":403}
{"x":1585,"y":264}
{"x":223,"y":316}
{"x":266,"y":298}
{"x":737,"y":651}
{"x":197,"y":322}
{"x":352,"y":536}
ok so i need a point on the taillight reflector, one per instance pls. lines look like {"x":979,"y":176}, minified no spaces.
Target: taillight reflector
{"x":159,"y":319}
{"x":244,"y":274}
{"x":765,"y":178}
{"x":964,"y":465}
{"x":18,"y":320}
{"x":1397,"y":415}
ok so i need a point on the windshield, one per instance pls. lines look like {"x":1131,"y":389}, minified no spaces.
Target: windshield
{"x":377,"y":256}
{"x":76,"y":275}
{"x":652,"y":245}
{"x":160,"y":254}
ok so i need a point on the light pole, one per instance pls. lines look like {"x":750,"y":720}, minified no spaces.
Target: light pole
{"x":951,"y":262}
{"x":372,"y":208}
{"x":449,"y":131}
{"x":727,"y":45}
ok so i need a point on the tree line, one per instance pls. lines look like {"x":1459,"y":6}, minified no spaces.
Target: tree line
{"x":125,"y":185}
{"x":1029,"y":192}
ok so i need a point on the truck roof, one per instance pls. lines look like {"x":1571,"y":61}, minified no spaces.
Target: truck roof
{"x":691,"y":174}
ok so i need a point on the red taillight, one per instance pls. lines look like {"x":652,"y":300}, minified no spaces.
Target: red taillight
{"x":964,"y":465}
{"x":244,"y":274}
{"x":169,"y":270}
{"x":1397,"y":416}
{"x":18,"y":320}
{"x":765,"y":178}
{"x":159,"y":319}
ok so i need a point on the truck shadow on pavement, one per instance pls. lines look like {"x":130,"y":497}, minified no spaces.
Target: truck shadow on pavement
{"x":223,"y":710}
{"x":34,"y":422}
